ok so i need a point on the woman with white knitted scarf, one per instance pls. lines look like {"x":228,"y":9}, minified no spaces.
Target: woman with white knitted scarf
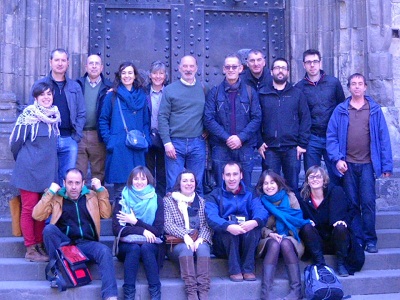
{"x":33,"y":143}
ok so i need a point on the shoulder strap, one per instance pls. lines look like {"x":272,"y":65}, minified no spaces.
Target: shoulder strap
{"x":122,"y":116}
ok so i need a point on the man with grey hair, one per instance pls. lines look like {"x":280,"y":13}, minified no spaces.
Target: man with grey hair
{"x":69,"y":99}
{"x":257,"y":75}
{"x":180,"y":123}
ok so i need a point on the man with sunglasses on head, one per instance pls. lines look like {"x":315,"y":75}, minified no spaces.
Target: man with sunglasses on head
{"x":323,"y":93}
{"x":285,"y":125}
{"x":232,"y":116}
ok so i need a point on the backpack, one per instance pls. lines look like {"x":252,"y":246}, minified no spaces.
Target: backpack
{"x":321,"y":283}
{"x":69,"y":269}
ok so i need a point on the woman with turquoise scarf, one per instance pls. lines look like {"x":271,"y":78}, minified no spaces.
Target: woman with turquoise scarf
{"x":141,"y":212}
{"x":280,"y":234}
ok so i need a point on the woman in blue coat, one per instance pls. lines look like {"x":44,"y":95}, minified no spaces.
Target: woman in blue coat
{"x":121,"y":159}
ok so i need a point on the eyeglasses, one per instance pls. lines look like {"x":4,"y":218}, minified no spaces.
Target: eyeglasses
{"x":312,"y":177}
{"x":309,"y":62}
{"x":231,"y":67}
{"x":277,"y":68}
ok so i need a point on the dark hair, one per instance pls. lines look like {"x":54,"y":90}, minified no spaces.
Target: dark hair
{"x":92,"y":54}
{"x":356,"y":75}
{"x":159,"y":65}
{"x":137,"y":83}
{"x":233,"y":55}
{"x":73,"y":170}
{"x":280,"y":181}
{"x":41,"y":87}
{"x":140,"y":170}
{"x":60,"y":50}
{"x":311,"y":52}
{"x":255,"y":51}
{"x":232,"y":163}
{"x":177,"y":185}
{"x":306,"y":190}
{"x":280,"y":59}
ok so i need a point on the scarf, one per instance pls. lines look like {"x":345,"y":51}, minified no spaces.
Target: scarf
{"x":134,"y":99}
{"x":287,"y":218}
{"x":32,"y":116}
{"x":143,"y":203}
{"x":183,"y":204}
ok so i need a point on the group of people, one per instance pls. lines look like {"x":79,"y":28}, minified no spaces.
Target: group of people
{"x":75,"y":127}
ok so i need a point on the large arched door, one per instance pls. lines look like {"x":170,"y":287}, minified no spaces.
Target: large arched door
{"x":147,"y":30}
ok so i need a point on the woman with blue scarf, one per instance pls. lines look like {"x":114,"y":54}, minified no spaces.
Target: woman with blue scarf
{"x":129,"y":99}
{"x":141,"y":212}
{"x":280,"y":234}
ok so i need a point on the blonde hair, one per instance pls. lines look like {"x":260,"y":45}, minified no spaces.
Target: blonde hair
{"x":306,"y":190}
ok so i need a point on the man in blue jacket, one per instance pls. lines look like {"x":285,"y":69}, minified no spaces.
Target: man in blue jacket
{"x":232,"y":115}
{"x":236,"y":219}
{"x":358,"y":143}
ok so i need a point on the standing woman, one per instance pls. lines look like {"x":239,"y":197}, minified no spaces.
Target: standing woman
{"x":120,"y":159}
{"x":281,"y":233}
{"x":155,"y":158}
{"x":33,"y":143}
{"x":184,"y":213}
{"x":328,"y":208}
{"x":140,"y":211}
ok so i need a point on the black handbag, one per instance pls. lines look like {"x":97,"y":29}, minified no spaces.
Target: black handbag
{"x":135,"y":139}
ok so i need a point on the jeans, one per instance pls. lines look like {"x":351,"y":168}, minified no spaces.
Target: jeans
{"x":285,"y":161}
{"x":67,"y":151}
{"x":95,"y":251}
{"x":190,"y":155}
{"x":359,"y":185}
{"x":155,"y":162}
{"x":222,"y":154}
{"x":315,"y":150}
{"x":131,"y":254}
{"x":181,"y":250}
{"x":91,"y":150}
{"x":238,"y":249}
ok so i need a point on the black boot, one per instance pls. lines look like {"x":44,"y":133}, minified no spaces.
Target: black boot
{"x":267,"y":282}
{"x":313,"y":243}
{"x":294,"y":282}
{"x":188,"y":274}
{"x":341,"y":269}
{"x":203,"y":276}
{"x":129,"y":292}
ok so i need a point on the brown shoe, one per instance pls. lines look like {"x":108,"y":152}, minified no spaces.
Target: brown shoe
{"x":249,"y":276}
{"x":236,"y":277}
{"x":33,"y":255}
{"x":42,"y":251}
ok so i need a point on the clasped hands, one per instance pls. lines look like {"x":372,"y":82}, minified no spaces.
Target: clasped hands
{"x":192,"y":245}
{"x":242,"y":228}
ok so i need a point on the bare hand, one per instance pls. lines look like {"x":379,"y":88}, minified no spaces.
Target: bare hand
{"x":276,"y":237}
{"x":234,"y":142}
{"x":262,"y":149}
{"x":96,"y":183}
{"x":386,"y":174}
{"x":235,"y":229}
{"x":54,"y":187}
{"x":170,"y":150}
{"x":300,"y":151}
{"x":150,"y":237}
{"x":197,"y":243}
{"x":340,"y":223}
{"x":127,"y":218}
{"x":189,"y":242}
{"x":249,"y":225}
{"x":341,"y":166}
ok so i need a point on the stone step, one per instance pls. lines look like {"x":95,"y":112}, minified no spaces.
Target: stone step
{"x":14,"y":269}
{"x":363,"y":283}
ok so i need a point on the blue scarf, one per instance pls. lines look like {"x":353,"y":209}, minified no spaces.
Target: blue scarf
{"x":287,"y":218}
{"x":134,"y":99}
{"x":143,"y":203}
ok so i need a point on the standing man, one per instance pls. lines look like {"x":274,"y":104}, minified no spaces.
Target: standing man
{"x":257,"y":74}
{"x":75,"y":219}
{"x":358,"y":143}
{"x":180,"y":123}
{"x":323,"y":93}
{"x":236,"y":219}
{"x":69,"y":99}
{"x":91,"y":149}
{"x":232,"y":115}
{"x":285,"y":126}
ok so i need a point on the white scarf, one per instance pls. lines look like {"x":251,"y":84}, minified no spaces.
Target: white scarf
{"x":183,"y":203}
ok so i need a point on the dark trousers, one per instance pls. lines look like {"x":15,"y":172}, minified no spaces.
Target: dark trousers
{"x":238,"y":249}
{"x":95,"y":251}
{"x":155,"y":162}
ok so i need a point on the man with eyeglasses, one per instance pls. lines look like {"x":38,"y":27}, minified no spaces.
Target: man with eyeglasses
{"x":232,"y":116}
{"x":323,"y":93}
{"x":285,"y":125}
{"x":91,"y":149}
{"x":358,"y":143}
{"x":257,"y":75}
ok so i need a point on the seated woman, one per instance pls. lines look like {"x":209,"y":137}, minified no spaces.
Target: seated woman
{"x":184,"y":213}
{"x":328,"y":208}
{"x":280,"y":234}
{"x":141,"y":212}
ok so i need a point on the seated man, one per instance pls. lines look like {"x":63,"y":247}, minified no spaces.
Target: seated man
{"x":237,"y":220}
{"x":75,"y":219}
